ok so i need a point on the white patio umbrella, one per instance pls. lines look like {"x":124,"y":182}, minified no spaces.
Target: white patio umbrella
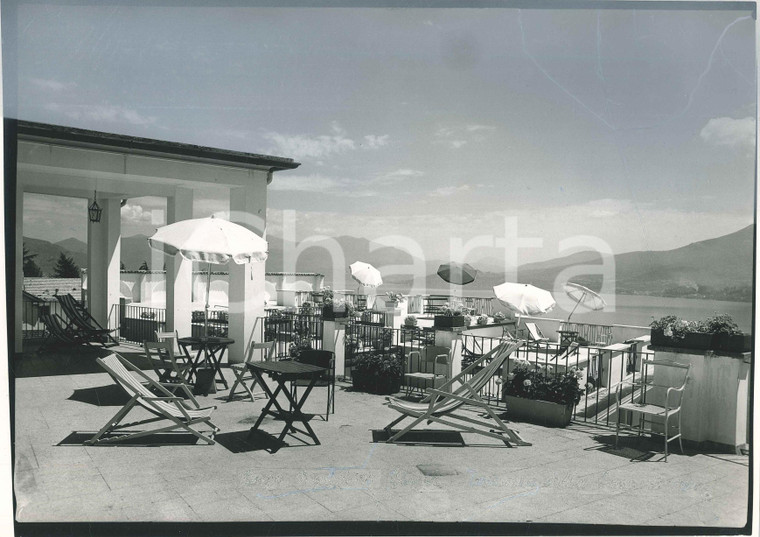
{"x":585,"y":297}
{"x":365,"y":274}
{"x":524,"y":299}
{"x":211,"y":240}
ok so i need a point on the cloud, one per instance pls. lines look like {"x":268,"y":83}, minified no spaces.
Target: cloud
{"x":301,"y":146}
{"x":52,"y":85}
{"x":336,"y":186}
{"x":374,"y":141}
{"x":457,"y":144}
{"x":462,"y":134}
{"x":102,"y":113}
{"x":731,"y":132}
{"x":400,"y":175}
{"x":446,"y":191}
{"x":136,"y":214}
{"x":474,"y":128}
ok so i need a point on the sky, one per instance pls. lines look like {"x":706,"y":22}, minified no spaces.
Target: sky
{"x":634,"y":127}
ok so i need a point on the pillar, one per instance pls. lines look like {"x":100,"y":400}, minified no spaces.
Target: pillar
{"x":248,"y":206}
{"x":179,"y":271}
{"x":18,"y":288}
{"x":452,"y":339}
{"x":103,"y":260}
{"x":334,"y":339}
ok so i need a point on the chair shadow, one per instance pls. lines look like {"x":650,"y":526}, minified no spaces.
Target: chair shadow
{"x":633,"y":448}
{"x":247,"y":441}
{"x":428,"y":437}
{"x":109,"y":395}
{"x":78,"y":438}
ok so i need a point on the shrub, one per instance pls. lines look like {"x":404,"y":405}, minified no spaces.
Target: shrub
{"x":452,"y":310}
{"x":483,"y":320}
{"x":379,"y":364}
{"x":499,"y":317}
{"x":410,"y":321}
{"x":542,"y":384}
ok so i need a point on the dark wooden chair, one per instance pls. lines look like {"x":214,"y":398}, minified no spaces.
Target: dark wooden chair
{"x":324,"y":359}
{"x":84,"y":322}
{"x":59,"y":331}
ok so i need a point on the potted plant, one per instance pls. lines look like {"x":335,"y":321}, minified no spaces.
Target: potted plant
{"x":332,"y":311}
{"x":671,"y":331}
{"x":539,"y":395}
{"x":377,"y":372}
{"x":409,"y":328}
{"x":392,"y":299}
{"x":728,"y":336}
{"x":499,"y":317}
{"x":482,"y":320}
{"x":450,"y":317}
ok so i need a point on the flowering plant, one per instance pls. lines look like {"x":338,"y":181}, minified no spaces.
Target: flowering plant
{"x":499,"y":317}
{"x":328,"y":295}
{"x":394,"y":297}
{"x":410,"y":321}
{"x":483,"y":320}
{"x":544,"y":384}
{"x":452,"y":310}
{"x":379,"y":364}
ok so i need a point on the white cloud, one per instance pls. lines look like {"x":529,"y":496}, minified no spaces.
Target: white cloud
{"x":336,"y":186}
{"x":474,"y":128}
{"x":136,"y":214}
{"x":300,"y":146}
{"x":400,"y":175}
{"x":374,"y":141}
{"x":445,"y":191}
{"x":729,"y":132}
{"x":52,"y":85}
{"x":457,"y":144}
{"x":102,"y":113}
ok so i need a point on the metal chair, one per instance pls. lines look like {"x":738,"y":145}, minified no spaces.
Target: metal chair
{"x":661,"y":396}
{"x":429,"y":367}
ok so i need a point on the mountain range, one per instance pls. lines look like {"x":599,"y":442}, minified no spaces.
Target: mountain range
{"x":719,"y":268}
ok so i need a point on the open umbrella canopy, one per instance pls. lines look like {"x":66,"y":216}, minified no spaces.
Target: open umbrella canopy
{"x":524,"y":298}
{"x":585,"y":297}
{"x":458,"y":273}
{"x":365,"y":274}
{"x":212,"y":240}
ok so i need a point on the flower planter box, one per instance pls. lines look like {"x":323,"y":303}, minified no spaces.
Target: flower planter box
{"x":328,"y":314}
{"x":538,"y":412}
{"x":732,"y":343}
{"x":446,"y":321}
{"x":693,"y":340}
{"x":375,"y":383}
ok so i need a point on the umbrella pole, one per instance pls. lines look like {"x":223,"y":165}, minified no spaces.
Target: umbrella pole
{"x":205,"y":310}
{"x":576,"y":306}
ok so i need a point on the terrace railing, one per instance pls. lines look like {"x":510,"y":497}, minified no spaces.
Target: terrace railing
{"x":363,"y":338}
{"x":137,"y":324}
{"x":591,"y":333}
{"x":218,"y":323}
{"x":292,"y":330}
{"x":32,"y":325}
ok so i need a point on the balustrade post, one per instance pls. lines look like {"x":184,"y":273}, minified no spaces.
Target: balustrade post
{"x":334,"y":339}
{"x":453,"y":340}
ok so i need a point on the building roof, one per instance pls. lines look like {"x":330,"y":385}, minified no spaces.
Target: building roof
{"x":148,"y":146}
{"x":47,"y":288}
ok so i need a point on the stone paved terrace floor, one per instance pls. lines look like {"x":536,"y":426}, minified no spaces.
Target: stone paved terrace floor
{"x":571,"y":475}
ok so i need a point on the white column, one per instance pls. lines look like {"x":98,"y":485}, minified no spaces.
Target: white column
{"x":334,"y":339}
{"x":103,"y":261}
{"x":179,"y":271}
{"x":248,"y":207}
{"x":18,"y":332}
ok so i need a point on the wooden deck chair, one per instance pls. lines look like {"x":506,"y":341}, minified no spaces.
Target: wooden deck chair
{"x":240,"y":369}
{"x":535,"y":333}
{"x":84,"y":322}
{"x":441,"y":405}
{"x":173,"y":374}
{"x":165,"y":407}
{"x":59,"y":332}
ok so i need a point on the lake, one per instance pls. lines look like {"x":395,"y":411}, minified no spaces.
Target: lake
{"x":638,"y":310}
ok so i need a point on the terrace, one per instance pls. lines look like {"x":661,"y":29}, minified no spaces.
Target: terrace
{"x":569,"y":475}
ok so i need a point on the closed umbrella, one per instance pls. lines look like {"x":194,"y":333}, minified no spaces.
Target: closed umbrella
{"x":211,"y":240}
{"x":524,"y":298}
{"x":583,"y":296}
{"x":365,"y":274}
{"x":458,"y":273}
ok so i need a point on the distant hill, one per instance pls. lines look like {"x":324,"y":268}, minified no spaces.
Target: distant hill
{"x":48,"y":254}
{"x":719,"y":268}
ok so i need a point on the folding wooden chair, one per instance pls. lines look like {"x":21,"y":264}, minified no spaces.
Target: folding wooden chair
{"x":165,"y":407}
{"x":171,"y":373}
{"x":240,"y":369}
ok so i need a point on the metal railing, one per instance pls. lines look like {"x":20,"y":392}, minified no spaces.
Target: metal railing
{"x":136,"y":324}
{"x":31,"y":313}
{"x":218,"y":323}
{"x":363,"y":338}
{"x":590,"y":333}
{"x":291,"y":331}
